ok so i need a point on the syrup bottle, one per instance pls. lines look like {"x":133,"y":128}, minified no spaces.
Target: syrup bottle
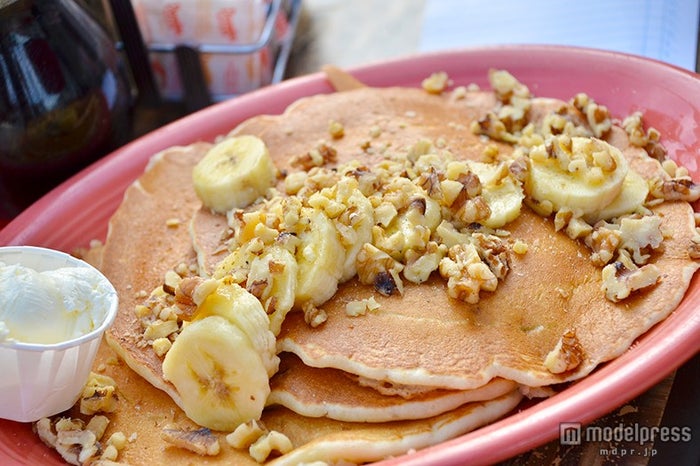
{"x":64,"y":97}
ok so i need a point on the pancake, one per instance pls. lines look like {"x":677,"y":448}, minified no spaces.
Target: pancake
{"x":376,"y":122}
{"x":147,"y":236}
{"x":336,"y":442}
{"x":144,"y":411}
{"x":552,"y":289}
{"x":331,"y":393}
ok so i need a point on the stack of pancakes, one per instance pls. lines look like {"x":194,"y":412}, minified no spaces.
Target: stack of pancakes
{"x":423,"y":367}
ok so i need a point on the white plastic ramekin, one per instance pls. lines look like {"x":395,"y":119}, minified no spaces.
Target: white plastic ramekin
{"x":42,"y":380}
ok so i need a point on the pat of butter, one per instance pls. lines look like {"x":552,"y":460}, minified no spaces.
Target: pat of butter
{"x":51,"y":306}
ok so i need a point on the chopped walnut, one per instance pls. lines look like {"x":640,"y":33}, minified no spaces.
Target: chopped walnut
{"x":99,"y":395}
{"x":77,"y":443}
{"x":508,"y":119}
{"x":429,"y":180}
{"x":246,"y":434}
{"x":316,"y":157}
{"x":268,"y":443}
{"x":361,"y":307}
{"x":638,"y":235}
{"x":313,"y":316}
{"x":171,"y":281}
{"x":603,"y":243}
{"x":597,"y":116}
{"x":520,"y":247}
{"x":190,"y":293}
{"x":566,"y":355}
{"x":436,"y":83}
{"x":519,"y":168}
{"x":201,"y":441}
{"x":572,"y":224}
{"x":632,"y":125}
{"x":161,"y":346}
{"x":566,"y":120}
{"x":654,"y":148}
{"x":506,"y":86}
{"x":648,"y":140}
{"x":421,"y":263}
{"x":675,"y":189}
{"x":493,"y":251}
{"x":160,"y":329}
{"x":466,"y":274}
{"x":376,"y":267}
{"x":490,"y":125}
{"x":623,"y":277}
{"x":336,"y":129}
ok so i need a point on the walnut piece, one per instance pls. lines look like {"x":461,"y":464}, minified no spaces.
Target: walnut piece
{"x":623,"y":277}
{"x":77,"y":443}
{"x":376,"y":267}
{"x":201,"y":441}
{"x":436,"y":83}
{"x":246,"y":434}
{"x":675,"y":189}
{"x":272,"y":441}
{"x":566,"y":355}
{"x":361,"y":307}
{"x":99,"y":395}
{"x":466,"y":274}
{"x":316,"y":157}
{"x":313,"y":316}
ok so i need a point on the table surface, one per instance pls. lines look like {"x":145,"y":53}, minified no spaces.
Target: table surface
{"x":328,"y":34}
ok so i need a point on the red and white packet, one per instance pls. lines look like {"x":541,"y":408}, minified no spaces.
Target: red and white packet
{"x":218,"y":22}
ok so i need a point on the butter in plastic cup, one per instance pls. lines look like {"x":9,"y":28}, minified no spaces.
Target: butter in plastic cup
{"x":40,"y":380}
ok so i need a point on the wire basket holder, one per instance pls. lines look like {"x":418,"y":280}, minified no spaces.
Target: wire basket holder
{"x":196,"y":94}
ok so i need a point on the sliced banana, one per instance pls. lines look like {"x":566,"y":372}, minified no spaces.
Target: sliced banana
{"x":237,"y":264}
{"x":244,"y":311}
{"x":234,"y":173}
{"x":501,"y":191}
{"x":359,"y":218}
{"x":219,"y":376}
{"x":273,"y":279}
{"x":579,"y":173}
{"x":320,"y":257}
{"x":633,"y":195}
{"x":352,"y":215}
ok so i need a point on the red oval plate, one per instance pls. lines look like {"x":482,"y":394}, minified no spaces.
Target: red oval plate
{"x":78,"y":211}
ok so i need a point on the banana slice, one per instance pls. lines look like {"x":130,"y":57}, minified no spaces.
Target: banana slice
{"x":360,"y":218}
{"x":245,"y":312}
{"x":501,"y":191}
{"x":234,"y":173}
{"x":220,"y":377}
{"x":578,"y":173}
{"x":413,"y":216}
{"x":273,"y":279}
{"x":237,"y":264}
{"x":320,"y":257}
{"x":633,"y":195}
